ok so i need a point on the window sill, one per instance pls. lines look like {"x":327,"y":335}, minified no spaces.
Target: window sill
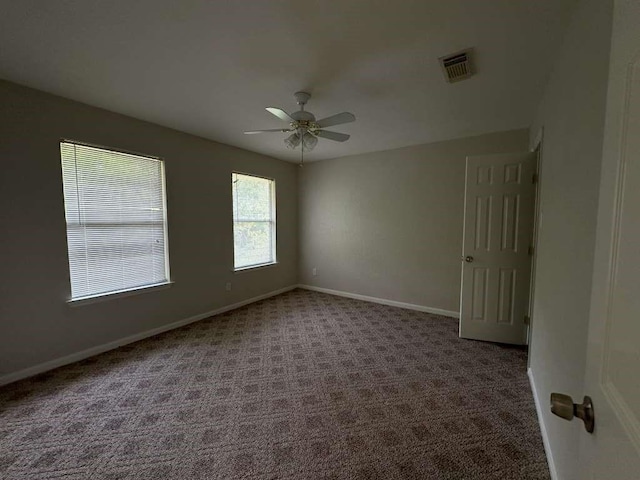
{"x":103,"y":297}
{"x":254,"y":267}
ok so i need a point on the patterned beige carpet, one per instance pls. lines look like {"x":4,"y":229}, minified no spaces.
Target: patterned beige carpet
{"x":303,"y":385}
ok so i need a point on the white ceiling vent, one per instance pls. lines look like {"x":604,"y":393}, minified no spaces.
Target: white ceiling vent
{"x":457,"y":66}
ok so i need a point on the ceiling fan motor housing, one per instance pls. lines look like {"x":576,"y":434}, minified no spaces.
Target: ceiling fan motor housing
{"x":303,"y":116}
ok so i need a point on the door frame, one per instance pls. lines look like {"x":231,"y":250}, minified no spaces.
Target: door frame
{"x":538,"y":148}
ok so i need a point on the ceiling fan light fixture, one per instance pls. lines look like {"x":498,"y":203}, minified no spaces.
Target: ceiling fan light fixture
{"x":309,"y":141}
{"x":292,"y":141}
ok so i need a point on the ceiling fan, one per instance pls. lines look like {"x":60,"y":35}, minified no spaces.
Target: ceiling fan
{"x":304,"y":127}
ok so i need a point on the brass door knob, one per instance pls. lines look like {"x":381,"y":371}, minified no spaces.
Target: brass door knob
{"x":563,"y":406}
{"x":468,"y":259}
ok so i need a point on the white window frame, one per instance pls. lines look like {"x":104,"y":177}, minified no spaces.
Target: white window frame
{"x":98,"y":297}
{"x":272,"y":221}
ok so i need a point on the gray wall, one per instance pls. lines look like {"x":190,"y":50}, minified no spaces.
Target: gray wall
{"x":36,"y":324}
{"x":389,"y":224}
{"x":572,"y":114}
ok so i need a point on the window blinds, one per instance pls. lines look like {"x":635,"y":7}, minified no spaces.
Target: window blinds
{"x":253,"y":221}
{"x":116,"y":220}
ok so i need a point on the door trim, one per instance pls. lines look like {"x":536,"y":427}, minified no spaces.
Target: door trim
{"x":538,"y":148}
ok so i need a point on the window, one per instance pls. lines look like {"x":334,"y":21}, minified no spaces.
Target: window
{"x":254,"y":221}
{"x":116,"y":220}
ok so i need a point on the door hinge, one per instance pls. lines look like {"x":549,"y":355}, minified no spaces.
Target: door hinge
{"x":530,"y":251}
{"x":527,"y":320}
{"x":534,"y":179}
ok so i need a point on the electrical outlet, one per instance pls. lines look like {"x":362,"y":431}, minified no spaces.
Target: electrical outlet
{"x":314,"y":271}
{"x":228,"y":286}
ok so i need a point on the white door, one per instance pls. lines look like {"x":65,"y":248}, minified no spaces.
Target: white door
{"x":613,"y":359}
{"x":496,"y":261}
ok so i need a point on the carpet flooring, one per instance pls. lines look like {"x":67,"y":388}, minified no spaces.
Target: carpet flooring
{"x":299,"y":386}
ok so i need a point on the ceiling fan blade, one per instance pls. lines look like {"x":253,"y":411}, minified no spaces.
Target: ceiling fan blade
{"x":338,"y":119}
{"x":283,"y":130}
{"x":281,"y":114}
{"x":335,"y":136}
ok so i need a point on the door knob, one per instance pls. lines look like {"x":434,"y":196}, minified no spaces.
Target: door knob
{"x":563,"y":406}
{"x":468,"y":259}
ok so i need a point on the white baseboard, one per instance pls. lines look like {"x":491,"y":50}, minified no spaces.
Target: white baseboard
{"x":383,"y":301}
{"x":90,"y":352}
{"x":543,"y":429}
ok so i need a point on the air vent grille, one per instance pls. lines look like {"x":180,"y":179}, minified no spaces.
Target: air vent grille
{"x":457,"y":66}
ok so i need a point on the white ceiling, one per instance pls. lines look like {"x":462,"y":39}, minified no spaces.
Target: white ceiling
{"x":211,"y":67}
